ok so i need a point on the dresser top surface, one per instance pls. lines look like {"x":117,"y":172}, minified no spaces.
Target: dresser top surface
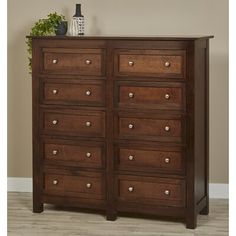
{"x":166,"y":37}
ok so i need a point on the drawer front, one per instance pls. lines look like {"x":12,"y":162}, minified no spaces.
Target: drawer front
{"x":159,"y":129}
{"x":73,"y":61}
{"x":138,"y":159}
{"x":148,"y":190}
{"x":151,"y":63}
{"x":74,"y":93}
{"x":74,"y":123}
{"x":156,"y":96}
{"x":83,"y":185}
{"x":69,"y":153}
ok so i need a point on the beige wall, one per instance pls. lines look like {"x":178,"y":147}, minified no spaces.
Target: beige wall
{"x":123,"y":17}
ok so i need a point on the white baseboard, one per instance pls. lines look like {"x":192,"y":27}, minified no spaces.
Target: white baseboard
{"x":19,"y":184}
{"x":219,"y":190}
{"x":25,"y":185}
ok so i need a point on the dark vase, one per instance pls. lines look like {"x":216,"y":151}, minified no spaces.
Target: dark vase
{"x":61,"y":28}
{"x":78,"y":11}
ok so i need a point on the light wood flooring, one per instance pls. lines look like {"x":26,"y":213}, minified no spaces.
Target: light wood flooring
{"x":67,"y":222}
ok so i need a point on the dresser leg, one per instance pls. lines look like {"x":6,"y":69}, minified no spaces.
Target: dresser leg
{"x":111,"y":216}
{"x":37,"y":207}
{"x":191,"y":221}
{"x":205,"y":210}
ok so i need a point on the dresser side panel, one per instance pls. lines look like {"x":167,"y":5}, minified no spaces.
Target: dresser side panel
{"x":200,"y":119}
{"x":37,"y":161}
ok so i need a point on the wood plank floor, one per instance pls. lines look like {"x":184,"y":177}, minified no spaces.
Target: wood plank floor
{"x":57,"y":222}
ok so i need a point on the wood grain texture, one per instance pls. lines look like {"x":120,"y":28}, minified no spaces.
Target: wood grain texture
{"x":168,"y":96}
{"x":82,"y":93}
{"x":65,"y":221}
{"x":71,"y":122}
{"x":74,"y":186}
{"x":166,"y":161}
{"x":73,"y":153}
{"x":151,"y":129}
{"x":72,"y":61}
{"x":149,"y":191}
{"x":151,"y":63}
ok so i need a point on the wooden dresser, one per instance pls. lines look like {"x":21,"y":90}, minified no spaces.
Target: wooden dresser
{"x":120,"y":124}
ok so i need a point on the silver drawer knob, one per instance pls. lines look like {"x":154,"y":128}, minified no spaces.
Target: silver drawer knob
{"x":54,"y":122}
{"x":55,"y":182}
{"x":88,"y":154}
{"x":131,"y":63}
{"x":88,"y":185}
{"x":88,"y":62}
{"x":131,"y":189}
{"x":167,"y":128}
{"x":167,"y":192}
{"x":131,"y":126}
{"x":88,"y":93}
{"x":131,"y":158}
{"x":167,"y":64}
{"x":54,"y":152}
{"x":88,"y":123}
{"x":131,"y":95}
{"x":167,"y":160}
{"x":54,"y":61}
{"x":167,"y":96}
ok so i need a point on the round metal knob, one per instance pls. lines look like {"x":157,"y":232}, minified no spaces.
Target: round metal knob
{"x":55,"y":91}
{"x":54,"y":152}
{"x":88,"y":185}
{"x":167,"y":192}
{"x":54,"y":122}
{"x":131,"y":126}
{"x":131,"y":189}
{"x":131,"y":63}
{"x":88,"y":93}
{"x":55,"y":182}
{"x":54,"y":61}
{"x":167,"y":64}
{"x":131,"y":158}
{"x":88,"y":62}
{"x":88,"y":123}
{"x":167,"y":128}
{"x":131,"y":95}
{"x":167,"y":160}
{"x":88,"y":154}
{"x":167,"y":96}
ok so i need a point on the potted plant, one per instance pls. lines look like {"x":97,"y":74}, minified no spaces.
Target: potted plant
{"x":54,"y":24}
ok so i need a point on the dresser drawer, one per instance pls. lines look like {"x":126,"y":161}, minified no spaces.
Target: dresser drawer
{"x":151,"y":63}
{"x":152,"y":95}
{"x":82,"y":93}
{"x":162,"y":128}
{"x":148,"y":190}
{"x":73,"y":153}
{"x":85,"y":184}
{"x":151,"y":159}
{"x":71,"y":122}
{"x":73,"y":61}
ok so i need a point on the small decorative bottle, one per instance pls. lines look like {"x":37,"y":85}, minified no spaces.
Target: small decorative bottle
{"x":77,"y":22}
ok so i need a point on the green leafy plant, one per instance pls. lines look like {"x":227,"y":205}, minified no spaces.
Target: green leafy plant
{"x":43,"y":27}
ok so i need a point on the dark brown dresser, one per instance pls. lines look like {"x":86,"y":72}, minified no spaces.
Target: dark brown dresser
{"x":120,"y":124}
